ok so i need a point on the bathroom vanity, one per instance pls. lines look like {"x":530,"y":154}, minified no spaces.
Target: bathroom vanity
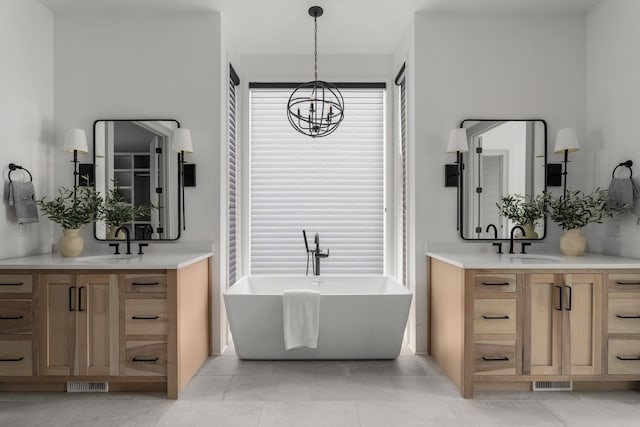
{"x":504,"y":322}
{"x":137,"y":323}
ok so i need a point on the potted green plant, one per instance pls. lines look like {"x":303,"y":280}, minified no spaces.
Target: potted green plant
{"x":116,"y":211}
{"x":574,"y":211}
{"x":72,"y":209}
{"x":525,"y":211}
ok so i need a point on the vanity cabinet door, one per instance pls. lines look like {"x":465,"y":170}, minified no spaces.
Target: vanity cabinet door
{"x":564,"y":323}
{"x":58,"y":305}
{"x":98,"y":324}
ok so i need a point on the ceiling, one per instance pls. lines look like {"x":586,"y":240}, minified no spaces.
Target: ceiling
{"x":347,"y":26}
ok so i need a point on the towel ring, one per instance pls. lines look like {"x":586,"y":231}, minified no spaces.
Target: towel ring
{"x":626,"y":164}
{"x":13,"y":167}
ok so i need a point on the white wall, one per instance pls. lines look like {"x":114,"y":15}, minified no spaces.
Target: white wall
{"x":146,"y":65}
{"x":613,"y":108}
{"x":26,"y":115}
{"x":485,"y":66}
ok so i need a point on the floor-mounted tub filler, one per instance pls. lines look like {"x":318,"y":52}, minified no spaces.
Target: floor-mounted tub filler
{"x":360,"y":317}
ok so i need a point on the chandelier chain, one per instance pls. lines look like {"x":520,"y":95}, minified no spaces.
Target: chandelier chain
{"x":315,"y":51}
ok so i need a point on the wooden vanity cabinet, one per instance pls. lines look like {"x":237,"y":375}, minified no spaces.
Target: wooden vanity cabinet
{"x":137,"y":330}
{"x":504,"y":329}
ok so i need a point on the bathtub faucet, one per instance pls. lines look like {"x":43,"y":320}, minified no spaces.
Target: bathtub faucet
{"x":316,"y":253}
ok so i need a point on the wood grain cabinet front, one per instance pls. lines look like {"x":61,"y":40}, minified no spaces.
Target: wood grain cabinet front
{"x":79,"y":321}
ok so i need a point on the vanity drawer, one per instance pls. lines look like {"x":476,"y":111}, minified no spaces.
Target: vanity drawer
{"x":623,"y":282}
{"x":146,"y":317}
{"x":624,"y":357}
{"x":495,"y":282}
{"x":141,"y":283}
{"x":495,"y":357}
{"x":494,"y":316}
{"x":624,"y":314}
{"x":146,"y":358}
{"x":16,"y":283}
{"x":15,"y":317}
{"x":15,"y":357}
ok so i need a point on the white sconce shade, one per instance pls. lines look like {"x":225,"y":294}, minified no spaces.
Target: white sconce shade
{"x":76,"y":140}
{"x":182,"y":141}
{"x":458,"y":141}
{"x":566,"y":140}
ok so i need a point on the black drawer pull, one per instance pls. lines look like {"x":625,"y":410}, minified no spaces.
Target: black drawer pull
{"x":496,"y":284}
{"x":495,"y":358}
{"x":495,"y":316}
{"x":628,"y":316}
{"x":145,"y":284}
{"x":11,"y":317}
{"x":11,"y":284}
{"x":628,"y":283}
{"x":628,"y":357}
{"x":145,"y":359}
{"x":145,"y":317}
{"x":11,"y":359}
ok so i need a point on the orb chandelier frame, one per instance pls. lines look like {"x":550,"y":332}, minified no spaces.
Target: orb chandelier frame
{"x":315,"y":108}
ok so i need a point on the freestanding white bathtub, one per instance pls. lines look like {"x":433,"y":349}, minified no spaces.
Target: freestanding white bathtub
{"x":360,"y":317}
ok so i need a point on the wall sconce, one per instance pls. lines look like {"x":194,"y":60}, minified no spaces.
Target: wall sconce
{"x":75,"y":142}
{"x":181,"y":144}
{"x":566,"y":142}
{"x":458,"y":143}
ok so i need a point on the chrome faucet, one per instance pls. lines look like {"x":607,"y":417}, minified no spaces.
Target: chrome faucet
{"x":126,"y":233}
{"x":316,"y":253}
{"x":517,"y":227}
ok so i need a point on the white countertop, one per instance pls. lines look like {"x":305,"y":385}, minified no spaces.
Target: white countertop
{"x":152,"y":261}
{"x":533,"y":261}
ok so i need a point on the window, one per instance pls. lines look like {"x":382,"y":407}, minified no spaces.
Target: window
{"x":333,"y":186}
{"x":232,"y":218}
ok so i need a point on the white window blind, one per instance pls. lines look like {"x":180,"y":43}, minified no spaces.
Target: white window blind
{"x":233,"y":177}
{"x":332,"y":186}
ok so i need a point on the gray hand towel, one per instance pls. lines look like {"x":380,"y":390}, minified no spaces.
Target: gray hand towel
{"x":21,"y":196}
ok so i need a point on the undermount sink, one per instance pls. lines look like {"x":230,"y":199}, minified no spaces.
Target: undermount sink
{"x":106,"y":258}
{"x":533,"y":258}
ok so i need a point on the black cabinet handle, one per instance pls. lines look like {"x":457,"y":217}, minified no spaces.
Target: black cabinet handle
{"x":72,"y":306}
{"x":145,"y":359}
{"x":496,"y":284}
{"x":11,"y":359}
{"x":11,"y":317}
{"x":80,"y":289}
{"x":495,"y":358}
{"x":145,"y":317}
{"x":145,"y":284}
{"x":570,"y":298}
{"x":560,"y":294}
{"x":11,"y":284}
{"x":628,"y":357}
{"x":628,"y":283}
{"x":495,"y":316}
{"x":628,"y":316}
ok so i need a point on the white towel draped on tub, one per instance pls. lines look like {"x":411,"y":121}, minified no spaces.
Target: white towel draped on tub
{"x":301,"y":318}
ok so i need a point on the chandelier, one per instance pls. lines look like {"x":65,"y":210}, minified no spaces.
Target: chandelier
{"x":315,"y":108}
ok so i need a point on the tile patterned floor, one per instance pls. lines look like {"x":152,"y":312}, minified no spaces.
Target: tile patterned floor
{"x":409,"y":391}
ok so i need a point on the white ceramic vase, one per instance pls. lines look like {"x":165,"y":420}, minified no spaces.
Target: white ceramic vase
{"x":71,"y":243}
{"x":573,"y":243}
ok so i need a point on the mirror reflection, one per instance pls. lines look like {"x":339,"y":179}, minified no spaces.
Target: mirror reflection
{"x":134,"y":162}
{"x":505,"y":157}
